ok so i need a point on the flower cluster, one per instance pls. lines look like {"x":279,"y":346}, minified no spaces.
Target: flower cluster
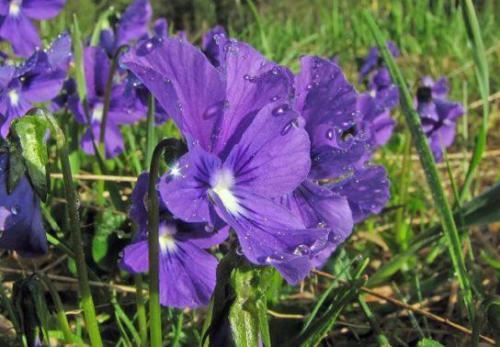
{"x":259,"y":141}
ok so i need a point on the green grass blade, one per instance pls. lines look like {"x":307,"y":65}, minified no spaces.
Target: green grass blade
{"x":429,"y":166}
{"x":482,"y":75}
{"x":76,"y":37}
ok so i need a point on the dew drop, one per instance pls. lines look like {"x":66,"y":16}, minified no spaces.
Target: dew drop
{"x":302,"y":250}
{"x":282,"y":109}
{"x":294,"y":123}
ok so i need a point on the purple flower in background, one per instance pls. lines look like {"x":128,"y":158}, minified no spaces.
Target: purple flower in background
{"x":122,"y":110}
{"x":373,"y":61}
{"x":187,"y":270}
{"x":133,"y":24}
{"x":21,"y":226}
{"x":16,"y":26}
{"x":247,"y":147}
{"x":38,"y":79}
{"x":438,"y":114}
{"x":382,"y":97}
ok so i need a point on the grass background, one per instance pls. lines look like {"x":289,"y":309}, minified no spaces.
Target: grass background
{"x":432,"y":38}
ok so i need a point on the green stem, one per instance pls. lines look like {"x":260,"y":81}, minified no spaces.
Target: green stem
{"x":107,"y":94}
{"x":429,"y":166}
{"x":61,"y":314}
{"x":141,"y":310}
{"x":154,"y":246}
{"x":383,"y":341}
{"x":150,"y":136}
{"x":87,"y":302}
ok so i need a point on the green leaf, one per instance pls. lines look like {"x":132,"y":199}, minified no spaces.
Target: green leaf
{"x":248,"y":313}
{"x":319,"y":328}
{"x":101,"y":242}
{"x":16,"y":166}
{"x":484,"y":209}
{"x":31,"y":131}
{"x":428,"y":343}
{"x":240,"y":301}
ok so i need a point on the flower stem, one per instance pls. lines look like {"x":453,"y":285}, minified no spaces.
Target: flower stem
{"x":87,"y":302}
{"x":141,"y":310}
{"x":61,"y":314}
{"x":107,"y":94}
{"x":154,"y":247}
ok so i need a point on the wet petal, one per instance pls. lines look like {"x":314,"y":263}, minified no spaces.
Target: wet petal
{"x":189,"y":88}
{"x":272,"y":157}
{"x":184,"y":188}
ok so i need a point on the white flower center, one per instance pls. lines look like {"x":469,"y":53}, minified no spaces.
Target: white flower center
{"x":221,"y":185}
{"x":97,"y":112}
{"x":15,"y":8}
{"x":14,"y":97}
{"x":166,"y":238}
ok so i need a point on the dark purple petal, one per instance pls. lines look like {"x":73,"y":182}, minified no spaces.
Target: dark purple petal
{"x":44,"y":86}
{"x":211,"y":44}
{"x":160,"y":27}
{"x":21,"y":226}
{"x":21,"y":34}
{"x":13,"y":105}
{"x":59,"y":54}
{"x":269,"y":233}
{"x":184,"y":188}
{"x":272,"y":156}
{"x":252,"y":83}
{"x":187,"y":86}
{"x":42,"y":9}
{"x":97,"y":67}
{"x":367,"y":191}
{"x":135,"y":257}
{"x":324,"y":96}
{"x":187,"y":276}
{"x":113,"y":141}
{"x":134,"y":22}
{"x":319,"y":208}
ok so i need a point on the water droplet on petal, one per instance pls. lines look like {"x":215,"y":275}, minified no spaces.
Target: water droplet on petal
{"x":302,"y":250}
{"x":282,"y":109}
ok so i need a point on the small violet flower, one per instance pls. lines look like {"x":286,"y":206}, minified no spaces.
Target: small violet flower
{"x":376,"y":104}
{"x":21,"y":226}
{"x":122,"y":110}
{"x":36,"y":80}
{"x":132,"y":25}
{"x":187,"y":269}
{"x":16,"y":26}
{"x":437,"y":114}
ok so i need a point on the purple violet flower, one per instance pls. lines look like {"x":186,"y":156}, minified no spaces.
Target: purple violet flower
{"x":132,"y":25}
{"x":187,"y":269}
{"x":16,"y":26}
{"x":38,"y":79}
{"x":21,"y":225}
{"x":373,"y":60}
{"x":438,"y":114}
{"x":382,"y":97}
{"x":122,"y":110}
{"x":246,"y":148}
